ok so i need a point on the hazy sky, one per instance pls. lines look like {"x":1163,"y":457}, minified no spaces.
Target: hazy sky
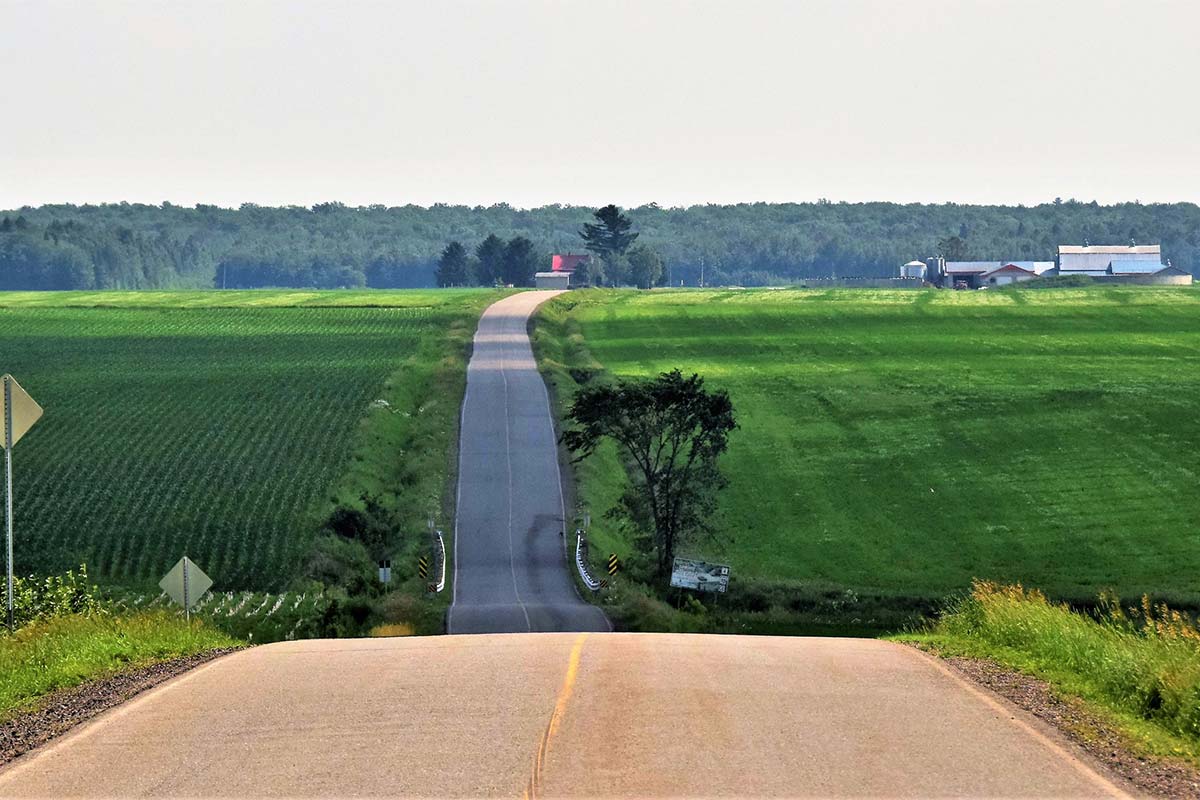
{"x":592,"y":102}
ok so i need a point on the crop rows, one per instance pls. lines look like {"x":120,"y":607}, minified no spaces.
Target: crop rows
{"x":211,"y":432}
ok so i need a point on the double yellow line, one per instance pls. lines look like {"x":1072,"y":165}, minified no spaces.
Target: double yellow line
{"x":560,"y":709}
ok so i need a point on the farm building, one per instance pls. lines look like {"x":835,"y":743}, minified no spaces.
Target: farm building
{"x":1009,"y":273}
{"x":974,"y":274}
{"x":568,"y":262}
{"x":1095,"y":260}
{"x":552,"y":280}
{"x":1140,"y":264}
{"x":913,"y":269}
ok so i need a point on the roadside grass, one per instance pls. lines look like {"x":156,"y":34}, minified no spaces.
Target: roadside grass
{"x":229,"y":425}
{"x":1138,"y":667}
{"x":66,"y":651}
{"x":894,"y":445}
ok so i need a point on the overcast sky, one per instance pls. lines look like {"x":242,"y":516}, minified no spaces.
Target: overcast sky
{"x":532,"y":103}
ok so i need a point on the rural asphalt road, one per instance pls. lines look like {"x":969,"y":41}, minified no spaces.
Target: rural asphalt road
{"x":584,"y":715}
{"x":510,"y":566}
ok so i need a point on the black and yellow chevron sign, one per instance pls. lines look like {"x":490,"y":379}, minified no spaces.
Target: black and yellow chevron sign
{"x":423,"y":566}
{"x":613,"y":564}
{"x":603,"y":584}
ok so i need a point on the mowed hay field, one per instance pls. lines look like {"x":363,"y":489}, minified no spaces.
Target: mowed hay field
{"x":906,"y":442}
{"x":217,"y":424}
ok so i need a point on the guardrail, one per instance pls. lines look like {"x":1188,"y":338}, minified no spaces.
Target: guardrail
{"x":441,"y":557}
{"x":581,"y":565}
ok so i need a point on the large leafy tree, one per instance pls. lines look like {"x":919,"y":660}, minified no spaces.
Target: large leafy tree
{"x":673,"y":430}
{"x":609,"y":237}
{"x":645,"y":266}
{"x":454,"y":267}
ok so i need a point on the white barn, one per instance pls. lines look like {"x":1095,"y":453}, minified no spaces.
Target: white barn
{"x":552,"y":280}
{"x":1095,"y":260}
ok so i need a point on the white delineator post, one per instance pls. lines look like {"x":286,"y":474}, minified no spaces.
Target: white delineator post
{"x":187,"y":598}
{"x":8,"y":503}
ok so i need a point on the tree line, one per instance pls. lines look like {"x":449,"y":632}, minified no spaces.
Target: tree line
{"x":137,"y":246}
{"x":609,"y":240}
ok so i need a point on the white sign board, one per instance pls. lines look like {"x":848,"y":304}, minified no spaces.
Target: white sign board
{"x":185,"y":583}
{"x":25,"y":411}
{"x":687,"y":573}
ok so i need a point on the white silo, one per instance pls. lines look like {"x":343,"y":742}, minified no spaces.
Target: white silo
{"x":913,"y":269}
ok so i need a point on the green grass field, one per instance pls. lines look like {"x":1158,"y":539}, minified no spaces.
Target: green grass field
{"x":905,"y":442}
{"x":224,"y":424}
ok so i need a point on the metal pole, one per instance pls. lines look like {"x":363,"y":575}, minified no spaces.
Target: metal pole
{"x":8,"y":503}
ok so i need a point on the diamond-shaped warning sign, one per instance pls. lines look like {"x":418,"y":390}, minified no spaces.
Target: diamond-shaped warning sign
{"x":185,"y":583}
{"x":25,"y":411}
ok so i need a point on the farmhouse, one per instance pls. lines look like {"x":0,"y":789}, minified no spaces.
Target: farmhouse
{"x":568,"y":262}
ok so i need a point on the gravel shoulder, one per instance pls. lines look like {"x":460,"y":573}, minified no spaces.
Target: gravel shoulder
{"x":1156,"y":777}
{"x":63,"y":710}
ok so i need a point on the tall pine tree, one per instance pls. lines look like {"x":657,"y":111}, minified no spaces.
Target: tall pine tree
{"x":453,"y":268}
{"x":489,"y":255}
{"x":609,"y":237}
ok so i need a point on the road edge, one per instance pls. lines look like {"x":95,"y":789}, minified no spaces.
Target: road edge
{"x":65,"y":710}
{"x":1093,"y":744}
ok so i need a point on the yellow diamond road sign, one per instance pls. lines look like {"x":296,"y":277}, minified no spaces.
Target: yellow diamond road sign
{"x":25,"y":411}
{"x":185,"y":583}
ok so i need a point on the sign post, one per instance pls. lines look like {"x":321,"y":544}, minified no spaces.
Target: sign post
{"x":19,"y":412}
{"x":185,"y":584}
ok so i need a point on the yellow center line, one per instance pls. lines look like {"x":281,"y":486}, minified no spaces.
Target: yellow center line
{"x":560,"y":709}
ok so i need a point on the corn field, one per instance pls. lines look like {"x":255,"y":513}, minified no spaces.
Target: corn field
{"x":174,"y":429}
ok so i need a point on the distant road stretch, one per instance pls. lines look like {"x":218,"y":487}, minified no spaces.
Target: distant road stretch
{"x":510,"y":565}
{"x":554,"y":715}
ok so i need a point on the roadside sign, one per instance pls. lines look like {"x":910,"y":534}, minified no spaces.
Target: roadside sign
{"x":385,"y":571}
{"x":423,"y":567}
{"x":25,"y":411}
{"x":18,"y":412}
{"x":688,"y":573}
{"x":613,"y":564}
{"x":185,"y":584}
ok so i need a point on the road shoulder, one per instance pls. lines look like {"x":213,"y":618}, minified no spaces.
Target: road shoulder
{"x":1091,"y":738}
{"x":64,"y":710}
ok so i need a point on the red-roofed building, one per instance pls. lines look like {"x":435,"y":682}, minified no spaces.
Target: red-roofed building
{"x":566,"y":262}
{"x":1009,"y":273}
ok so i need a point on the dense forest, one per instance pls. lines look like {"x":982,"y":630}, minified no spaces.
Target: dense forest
{"x":132,"y":246}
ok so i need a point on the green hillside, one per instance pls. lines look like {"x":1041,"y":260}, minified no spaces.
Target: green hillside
{"x":223,"y":424}
{"x":906,"y":442}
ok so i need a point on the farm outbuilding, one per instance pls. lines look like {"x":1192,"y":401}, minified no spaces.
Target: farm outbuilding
{"x":1096,"y":259}
{"x":975,"y":274}
{"x":1138,"y":264}
{"x":913,"y":269}
{"x":552,"y":280}
{"x":1009,"y":273}
{"x":568,"y":262}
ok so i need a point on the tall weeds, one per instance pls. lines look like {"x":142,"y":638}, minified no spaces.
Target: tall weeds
{"x":1143,"y":659}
